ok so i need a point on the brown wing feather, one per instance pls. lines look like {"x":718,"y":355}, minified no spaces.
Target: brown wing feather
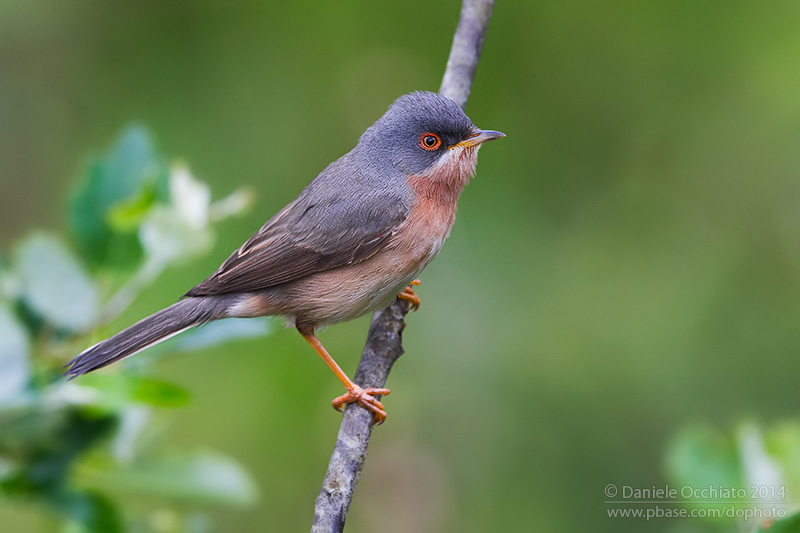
{"x":276,"y":263}
{"x":305,"y":238}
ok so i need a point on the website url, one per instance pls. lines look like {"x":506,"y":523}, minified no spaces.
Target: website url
{"x":727,"y":511}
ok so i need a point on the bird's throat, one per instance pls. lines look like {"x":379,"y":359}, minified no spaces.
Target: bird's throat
{"x":444,"y":181}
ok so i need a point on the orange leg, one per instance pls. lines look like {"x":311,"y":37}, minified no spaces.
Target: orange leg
{"x":355,"y":394}
{"x":410,"y":296}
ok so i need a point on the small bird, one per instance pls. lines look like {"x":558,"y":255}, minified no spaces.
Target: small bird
{"x":356,"y":237}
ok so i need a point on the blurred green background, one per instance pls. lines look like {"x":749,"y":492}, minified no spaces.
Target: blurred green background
{"x":625,"y":262}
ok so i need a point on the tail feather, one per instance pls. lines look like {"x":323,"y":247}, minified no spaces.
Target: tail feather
{"x":149,"y":331}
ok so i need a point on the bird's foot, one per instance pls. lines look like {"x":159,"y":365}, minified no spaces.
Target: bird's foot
{"x":365,"y":398}
{"x":410,"y":296}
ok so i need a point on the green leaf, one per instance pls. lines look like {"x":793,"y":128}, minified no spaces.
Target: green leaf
{"x":222,"y":331}
{"x":89,"y":512}
{"x":127,"y":215}
{"x":700,"y":457}
{"x":202,"y":477}
{"x":14,"y":356}
{"x":790,"y":524}
{"x":45,"y":459}
{"x":120,"y":390}
{"x":120,"y":178}
{"x":54,"y":284}
{"x":158,"y":393}
{"x":783,"y":443}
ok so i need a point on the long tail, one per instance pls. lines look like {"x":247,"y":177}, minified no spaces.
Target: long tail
{"x":149,"y":331}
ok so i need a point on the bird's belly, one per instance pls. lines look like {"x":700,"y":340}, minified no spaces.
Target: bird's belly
{"x":348,"y":292}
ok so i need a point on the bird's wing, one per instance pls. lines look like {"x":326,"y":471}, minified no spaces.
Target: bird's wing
{"x":307,"y":237}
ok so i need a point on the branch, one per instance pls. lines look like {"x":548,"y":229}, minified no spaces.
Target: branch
{"x":466,"y":50}
{"x":384,"y":342}
{"x":383,"y":348}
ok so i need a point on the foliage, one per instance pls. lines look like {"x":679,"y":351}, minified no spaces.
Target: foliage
{"x":751,"y":473}
{"x":70,"y":447}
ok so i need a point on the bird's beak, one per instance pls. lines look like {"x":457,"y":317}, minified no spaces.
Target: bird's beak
{"x":479,"y":136}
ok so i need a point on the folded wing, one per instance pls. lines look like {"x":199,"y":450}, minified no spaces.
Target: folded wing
{"x":307,"y":237}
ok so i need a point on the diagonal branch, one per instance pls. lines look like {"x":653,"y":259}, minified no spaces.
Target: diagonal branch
{"x":466,"y":50}
{"x":383,"y":348}
{"x":384,"y":342}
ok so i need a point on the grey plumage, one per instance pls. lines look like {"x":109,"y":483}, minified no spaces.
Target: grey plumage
{"x":355,"y":236}
{"x":157,"y":327}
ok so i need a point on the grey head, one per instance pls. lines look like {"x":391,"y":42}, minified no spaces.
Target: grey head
{"x":417,"y":131}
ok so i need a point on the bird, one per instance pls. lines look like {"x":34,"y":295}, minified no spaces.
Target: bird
{"x":355,"y":238}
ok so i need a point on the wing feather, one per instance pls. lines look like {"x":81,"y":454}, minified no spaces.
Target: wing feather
{"x":305,"y":238}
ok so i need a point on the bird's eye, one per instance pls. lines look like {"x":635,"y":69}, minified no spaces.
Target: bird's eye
{"x":429,"y":141}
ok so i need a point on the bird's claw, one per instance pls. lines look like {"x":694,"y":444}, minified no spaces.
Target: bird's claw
{"x":410,"y":296}
{"x":366,"y":399}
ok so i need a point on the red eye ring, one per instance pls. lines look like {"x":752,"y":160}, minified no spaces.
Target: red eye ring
{"x":429,"y":141}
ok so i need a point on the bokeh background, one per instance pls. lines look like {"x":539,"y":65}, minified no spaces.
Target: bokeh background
{"x":624,"y":264}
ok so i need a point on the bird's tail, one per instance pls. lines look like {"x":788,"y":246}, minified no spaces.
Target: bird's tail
{"x":149,"y":331}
